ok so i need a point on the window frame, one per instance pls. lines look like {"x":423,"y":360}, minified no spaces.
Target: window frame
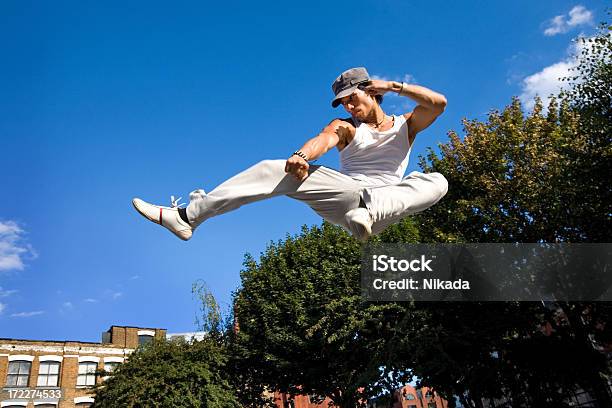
{"x":144,"y":339}
{"x":87,"y":374}
{"x":48,"y":374}
{"x":18,"y":374}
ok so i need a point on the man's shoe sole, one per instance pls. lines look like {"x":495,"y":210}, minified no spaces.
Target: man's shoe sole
{"x":184,"y":235}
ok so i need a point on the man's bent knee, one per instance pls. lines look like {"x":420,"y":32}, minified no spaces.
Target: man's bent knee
{"x":441,"y":182}
{"x":437,"y":179}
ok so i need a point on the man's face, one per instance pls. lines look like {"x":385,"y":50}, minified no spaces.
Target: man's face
{"x":358,"y":104}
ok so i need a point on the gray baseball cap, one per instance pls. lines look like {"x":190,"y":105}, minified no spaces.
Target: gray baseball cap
{"x":347,"y":83}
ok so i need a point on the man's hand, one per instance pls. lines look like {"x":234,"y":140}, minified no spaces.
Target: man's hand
{"x":378,"y":87}
{"x":297,"y":167}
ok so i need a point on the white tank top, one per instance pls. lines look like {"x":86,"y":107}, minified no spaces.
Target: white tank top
{"x":377,"y":158}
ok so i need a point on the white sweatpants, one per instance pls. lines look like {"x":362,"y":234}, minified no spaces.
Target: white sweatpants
{"x":328,"y":192}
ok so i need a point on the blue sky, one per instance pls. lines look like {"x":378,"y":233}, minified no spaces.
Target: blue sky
{"x":103,"y":101}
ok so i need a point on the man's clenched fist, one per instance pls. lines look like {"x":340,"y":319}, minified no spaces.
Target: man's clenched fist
{"x":297,"y":167}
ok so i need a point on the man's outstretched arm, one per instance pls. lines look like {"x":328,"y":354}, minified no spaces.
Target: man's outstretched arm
{"x":331,"y":136}
{"x":430,"y":104}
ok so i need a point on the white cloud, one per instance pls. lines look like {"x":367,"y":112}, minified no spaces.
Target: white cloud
{"x":111,"y":294}
{"x":9,"y":227}
{"x":90,"y":300}
{"x":13,"y":248}
{"x":409,"y":78}
{"x":580,"y":15}
{"x":546,"y":82}
{"x":7,"y":292}
{"x":27,"y":314}
{"x":135,"y":277}
{"x":577,"y":16}
{"x":2,"y":307}
{"x":67,"y":307}
{"x":381,"y":77}
{"x":556,"y":26}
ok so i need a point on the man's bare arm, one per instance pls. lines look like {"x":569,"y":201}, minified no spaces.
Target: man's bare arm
{"x":323,"y":142}
{"x":332,"y":135}
{"x":430,"y":104}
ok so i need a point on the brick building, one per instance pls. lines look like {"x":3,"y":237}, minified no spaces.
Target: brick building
{"x":405,"y":397}
{"x":282,"y":400}
{"x":59,"y":374}
{"x":410,"y":397}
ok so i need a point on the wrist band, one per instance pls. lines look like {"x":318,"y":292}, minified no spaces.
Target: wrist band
{"x":301,"y":154}
{"x":401,"y":90}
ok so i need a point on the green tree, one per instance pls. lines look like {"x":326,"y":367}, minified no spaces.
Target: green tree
{"x":177,"y":373}
{"x":590,"y":95}
{"x":170,"y":374}
{"x":303,"y":327}
{"x":540,"y":177}
{"x":513,"y":179}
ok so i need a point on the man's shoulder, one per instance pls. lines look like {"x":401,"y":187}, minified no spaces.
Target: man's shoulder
{"x":345,"y":129}
{"x":343,"y":122}
{"x":341,"y":126}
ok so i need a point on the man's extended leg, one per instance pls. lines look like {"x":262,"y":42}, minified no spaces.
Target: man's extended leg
{"x":415,"y":193}
{"x":328,"y":192}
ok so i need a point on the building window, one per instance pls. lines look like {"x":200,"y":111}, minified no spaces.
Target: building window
{"x":409,"y":397}
{"x":18,"y":373}
{"x":109,"y":368}
{"x":48,"y":374}
{"x":144,"y":339}
{"x":87,"y":374}
{"x":431,"y":405}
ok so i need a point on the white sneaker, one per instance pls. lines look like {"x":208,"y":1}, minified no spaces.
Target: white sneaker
{"x":360,"y":222}
{"x":165,"y":216}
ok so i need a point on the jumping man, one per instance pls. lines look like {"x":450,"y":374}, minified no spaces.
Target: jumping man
{"x":365,"y":196}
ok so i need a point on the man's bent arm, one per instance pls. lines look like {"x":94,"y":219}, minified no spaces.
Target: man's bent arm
{"x":430,"y":104}
{"x":425,"y":97}
{"x":324,"y":141}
